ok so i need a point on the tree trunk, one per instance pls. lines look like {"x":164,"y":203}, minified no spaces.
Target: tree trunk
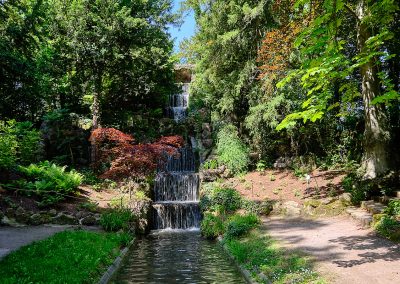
{"x":376,"y":137}
{"x":95,"y":117}
{"x":96,"y":105}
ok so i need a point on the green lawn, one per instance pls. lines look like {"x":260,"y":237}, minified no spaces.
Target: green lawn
{"x":259,"y":253}
{"x":66,"y":257}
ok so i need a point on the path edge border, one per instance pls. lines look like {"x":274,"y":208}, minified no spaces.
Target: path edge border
{"x":116,"y":265}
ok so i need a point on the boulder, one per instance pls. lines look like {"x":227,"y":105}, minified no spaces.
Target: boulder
{"x":64,"y":219}
{"x":206,"y":135}
{"x":141,"y":209}
{"x":10,"y":212}
{"x":21,"y":216}
{"x":81,"y":214}
{"x":53,"y":212}
{"x":282,"y":163}
{"x":10,"y":222}
{"x":291,"y":208}
{"x":35,"y":219}
{"x":345,"y":197}
{"x":46,"y":217}
{"x":328,"y":200}
{"x":227,"y":173}
{"x":206,"y":127}
{"x":89,"y":220}
{"x":207,"y":143}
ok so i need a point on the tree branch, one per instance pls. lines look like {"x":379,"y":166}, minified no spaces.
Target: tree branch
{"x":351,"y":12}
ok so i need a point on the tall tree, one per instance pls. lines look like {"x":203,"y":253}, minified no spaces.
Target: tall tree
{"x":225,"y":50}
{"x":328,"y":62}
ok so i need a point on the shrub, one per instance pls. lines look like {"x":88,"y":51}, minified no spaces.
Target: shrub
{"x":19,"y":143}
{"x":65,"y":137}
{"x":8,"y":146}
{"x":211,"y":226}
{"x":117,"y":219}
{"x":238,"y":225}
{"x":49,"y":181}
{"x":225,"y":199}
{"x":393,"y":208}
{"x":28,"y":143}
{"x":259,"y":208}
{"x":210,"y":165}
{"x":261,"y":166}
{"x":358,"y":189}
{"x":388,"y":227}
{"x":231,"y":151}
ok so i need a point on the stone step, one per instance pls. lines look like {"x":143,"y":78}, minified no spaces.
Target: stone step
{"x":385,"y":199}
{"x":373,"y":207}
{"x":360,"y":215}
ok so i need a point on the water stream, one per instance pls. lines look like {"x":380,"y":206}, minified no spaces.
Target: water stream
{"x":175,"y":252}
{"x":178,"y":257}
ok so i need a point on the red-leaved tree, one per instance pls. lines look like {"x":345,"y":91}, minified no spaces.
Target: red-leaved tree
{"x":117,"y":152}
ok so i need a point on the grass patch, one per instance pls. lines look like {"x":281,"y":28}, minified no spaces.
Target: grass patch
{"x":259,"y":253}
{"x":66,"y":257}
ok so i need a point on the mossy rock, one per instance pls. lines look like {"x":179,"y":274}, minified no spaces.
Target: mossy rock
{"x":377,"y":217}
{"x":313,"y":203}
{"x":316,"y":208}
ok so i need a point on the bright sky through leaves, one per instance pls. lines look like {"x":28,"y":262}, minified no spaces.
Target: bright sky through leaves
{"x":186,"y":30}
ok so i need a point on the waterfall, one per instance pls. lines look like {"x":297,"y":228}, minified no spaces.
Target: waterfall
{"x":178,"y":103}
{"x":176,"y":186}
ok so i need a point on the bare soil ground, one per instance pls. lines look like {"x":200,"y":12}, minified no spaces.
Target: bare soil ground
{"x":284,"y":185}
{"x":343,"y":252}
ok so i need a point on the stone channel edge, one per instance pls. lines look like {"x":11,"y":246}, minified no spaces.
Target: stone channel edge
{"x":116,"y":265}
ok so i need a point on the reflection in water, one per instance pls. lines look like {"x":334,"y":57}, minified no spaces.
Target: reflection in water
{"x":177,"y":257}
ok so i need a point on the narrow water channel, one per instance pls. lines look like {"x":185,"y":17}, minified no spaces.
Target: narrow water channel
{"x":177,"y":257}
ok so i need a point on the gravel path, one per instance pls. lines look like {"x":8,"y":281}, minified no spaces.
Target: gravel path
{"x":344,"y":253}
{"x":13,"y":238}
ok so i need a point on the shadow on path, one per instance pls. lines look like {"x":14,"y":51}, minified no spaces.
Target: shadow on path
{"x":340,"y":248}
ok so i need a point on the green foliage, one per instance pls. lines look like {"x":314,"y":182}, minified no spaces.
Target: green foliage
{"x":210,"y":164}
{"x":260,"y":254}
{"x":261,"y":166}
{"x":393,"y":208}
{"x":225,"y":200}
{"x":66,"y":137}
{"x":51,"y":183}
{"x":231,"y":150}
{"x":124,"y":60}
{"x":117,"y":219}
{"x":256,"y":207}
{"x":211,"y":226}
{"x":19,"y":143}
{"x":66,"y":257}
{"x":239,"y":225}
{"x":8,"y":145}
{"x":388,"y":227}
{"x":28,"y":143}
{"x":89,"y":177}
{"x":358,"y":188}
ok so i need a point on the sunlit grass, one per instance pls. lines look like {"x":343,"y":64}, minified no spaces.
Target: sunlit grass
{"x":259,"y":253}
{"x":66,"y":257}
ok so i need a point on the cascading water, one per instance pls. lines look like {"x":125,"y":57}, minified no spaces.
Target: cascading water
{"x":177,"y":256}
{"x":176,"y":187}
{"x":178,"y":104}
